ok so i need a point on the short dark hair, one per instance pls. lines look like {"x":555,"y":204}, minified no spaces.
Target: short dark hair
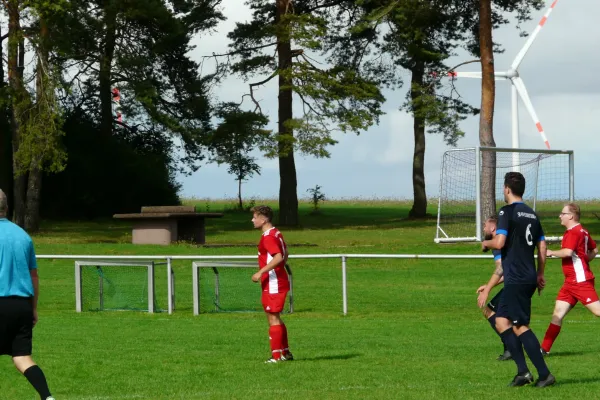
{"x":515,"y":181}
{"x":265,"y":211}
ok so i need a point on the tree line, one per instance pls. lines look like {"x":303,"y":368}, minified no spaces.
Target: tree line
{"x":64,"y":152}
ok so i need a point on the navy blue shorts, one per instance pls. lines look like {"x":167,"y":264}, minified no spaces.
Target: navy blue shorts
{"x":16,"y":326}
{"x":493,"y":304}
{"x":515,"y":303}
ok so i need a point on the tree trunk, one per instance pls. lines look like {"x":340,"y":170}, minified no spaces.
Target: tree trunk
{"x":419,"y":208}
{"x":6,"y":170}
{"x":16,"y":57}
{"x":106,"y":59}
{"x":486,"y":120}
{"x":288,"y":196}
{"x":34,"y":185}
{"x":241,"y":205}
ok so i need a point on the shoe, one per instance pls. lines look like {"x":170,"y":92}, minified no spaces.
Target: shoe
{"x":504,"y":356}
{"x":549,"y":381}
{"x":522,"y":379}
{"x":544,"y":352}
{"x":50,"y":398}
{"x":273,"y":361}
{"x":287,"y":357}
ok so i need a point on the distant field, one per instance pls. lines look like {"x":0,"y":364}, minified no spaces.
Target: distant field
{"x":413,"y":330}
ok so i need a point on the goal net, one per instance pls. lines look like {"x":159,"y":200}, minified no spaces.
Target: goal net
{"x":548,"y":185}
{"x":226,"y":286}
{"x":122,"y":286}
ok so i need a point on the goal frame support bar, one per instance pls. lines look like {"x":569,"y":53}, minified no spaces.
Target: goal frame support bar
{"x":150,"y":265}
{"x":196,"y":265}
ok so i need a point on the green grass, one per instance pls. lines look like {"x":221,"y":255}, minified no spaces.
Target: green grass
{"x":413,"y":330}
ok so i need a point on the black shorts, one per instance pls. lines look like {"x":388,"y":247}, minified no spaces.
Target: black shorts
{"x":16,"y":326}
{"x":493,"y":304}
{"x":515,"y":303}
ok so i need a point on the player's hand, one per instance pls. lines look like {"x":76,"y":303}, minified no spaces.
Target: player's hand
{"x":481,"y":289}
{"x":549,"y":253}
{"x":35,"y":317}
{"x":482,"y":298}
{"x":256,"y":277}
{"x":541,"y":283}
{"x":483,"y":248}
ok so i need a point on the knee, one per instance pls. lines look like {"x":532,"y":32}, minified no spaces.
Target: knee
{"x":22,"y":364}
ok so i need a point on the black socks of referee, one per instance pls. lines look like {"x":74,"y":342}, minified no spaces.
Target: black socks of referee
{"x":529,"y":341}
{"x":492,"y":321}
{"x":36,"y":377}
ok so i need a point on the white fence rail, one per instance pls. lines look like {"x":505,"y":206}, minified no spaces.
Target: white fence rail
{"x":343,"y":258}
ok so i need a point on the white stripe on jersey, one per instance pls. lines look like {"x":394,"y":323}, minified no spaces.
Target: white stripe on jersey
{"x":273,"y":284}
{"x":578,"y":267}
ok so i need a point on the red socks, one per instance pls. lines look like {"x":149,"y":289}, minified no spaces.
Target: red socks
{"x":550,"y":337}
{"x":284,"y":340}
{"x":276,"y":339}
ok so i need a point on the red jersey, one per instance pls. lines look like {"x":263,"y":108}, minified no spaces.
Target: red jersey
{"x":577,"y":268}
{"x":271,"y":243}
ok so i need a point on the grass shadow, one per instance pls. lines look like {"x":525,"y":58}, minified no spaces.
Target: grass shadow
{"x":331,"y":357}
{"x":577,"y":381}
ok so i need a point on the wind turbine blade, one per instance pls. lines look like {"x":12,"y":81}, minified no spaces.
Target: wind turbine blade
{"x":532,"y":36}
{"x":457,"y":74}
{"x":518,"y":82}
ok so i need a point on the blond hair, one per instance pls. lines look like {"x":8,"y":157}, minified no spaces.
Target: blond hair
{"x":575,"y":210}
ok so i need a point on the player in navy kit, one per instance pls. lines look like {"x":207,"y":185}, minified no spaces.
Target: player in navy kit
{"x":518,"y":234}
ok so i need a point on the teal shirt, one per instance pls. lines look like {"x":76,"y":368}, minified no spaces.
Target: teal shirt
{"x":17,"y":259}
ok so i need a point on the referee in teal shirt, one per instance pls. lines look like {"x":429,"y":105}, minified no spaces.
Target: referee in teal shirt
{"x":18,"y":299}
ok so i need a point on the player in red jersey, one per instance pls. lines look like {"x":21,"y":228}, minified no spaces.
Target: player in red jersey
{"x":577,"y":250}
{"x":272,"y":257}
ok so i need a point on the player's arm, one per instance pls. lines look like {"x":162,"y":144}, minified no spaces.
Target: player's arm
{"x":591,"y":254}
{"x":35,"y":280}
{"x":565,"y":252}
{"x":272,"y":247}
{"x":277,"y":259}
{"x":497,"y":242}
{"x":496,"y":278}
{"x":592,"y":249}
{"x":541,"y":264}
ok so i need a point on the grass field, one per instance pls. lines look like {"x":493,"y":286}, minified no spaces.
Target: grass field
{"x":413,"y":330}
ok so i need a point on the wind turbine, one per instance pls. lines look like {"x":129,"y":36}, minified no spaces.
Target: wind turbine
{"x":518,"y":87}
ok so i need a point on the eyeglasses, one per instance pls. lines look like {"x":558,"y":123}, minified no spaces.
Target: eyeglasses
{"x":561,"y":214}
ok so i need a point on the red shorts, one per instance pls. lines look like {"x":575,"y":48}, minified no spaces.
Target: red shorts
{"x":584,"y":292}
{"x":273,"y":302}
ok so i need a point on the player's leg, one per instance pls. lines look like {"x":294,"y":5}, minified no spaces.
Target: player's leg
{"x":564,"y":303}
{"x":489,"y":312}
{"x":587,"y":295}
{"x":21,"y":347}
{"x":521,"y":314}
{"x":504,"y":327}
{"x":273,"y":305}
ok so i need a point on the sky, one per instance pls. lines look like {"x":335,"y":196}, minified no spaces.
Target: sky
{"x":558,"y":72}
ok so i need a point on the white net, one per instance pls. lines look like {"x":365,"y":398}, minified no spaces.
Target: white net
{"x":548,"y":178}
{"x":225,"y":286}
{"x":105,"y":286}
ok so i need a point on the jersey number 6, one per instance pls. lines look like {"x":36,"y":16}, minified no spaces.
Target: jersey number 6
{"x":528,"y":235}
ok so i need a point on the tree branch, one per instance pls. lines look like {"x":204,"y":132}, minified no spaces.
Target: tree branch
{"x":253,"y":85}
{"x":451,"y":70}
{"x":241,"y":50}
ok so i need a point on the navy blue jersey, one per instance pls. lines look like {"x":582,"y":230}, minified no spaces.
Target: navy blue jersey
{"x":523,"y":230}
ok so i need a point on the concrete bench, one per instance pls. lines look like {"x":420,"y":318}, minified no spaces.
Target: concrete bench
{"x":168,"y":224}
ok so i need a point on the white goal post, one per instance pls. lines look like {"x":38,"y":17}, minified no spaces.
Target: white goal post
{"x":225,"y":286}
{"x":113,"y":285}
{"x":549,"y":177}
